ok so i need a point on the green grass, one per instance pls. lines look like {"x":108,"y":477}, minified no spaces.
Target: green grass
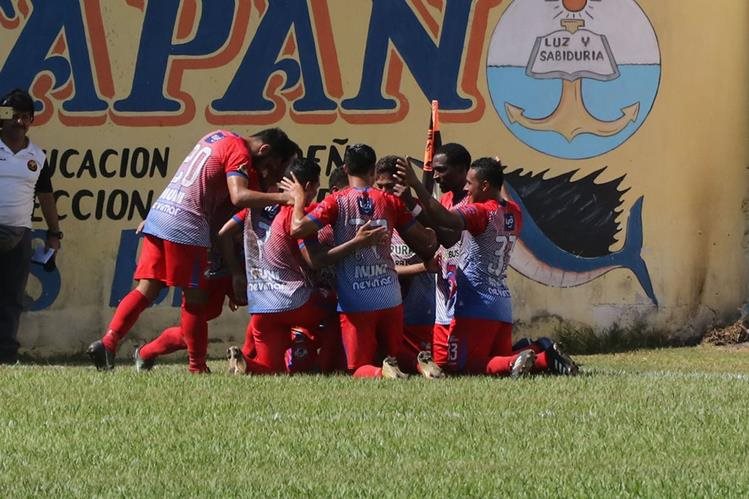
{"x":660,"y":423}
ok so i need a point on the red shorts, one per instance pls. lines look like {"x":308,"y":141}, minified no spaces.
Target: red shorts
{"x":468,"y":344}
{"x":366,"y":334}
{"x":272,"y":337}
{"x":415,"y":339}
{"x":174,"y":264}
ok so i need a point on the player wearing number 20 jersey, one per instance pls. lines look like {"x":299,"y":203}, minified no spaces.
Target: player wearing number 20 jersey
{"x":223,"y":169}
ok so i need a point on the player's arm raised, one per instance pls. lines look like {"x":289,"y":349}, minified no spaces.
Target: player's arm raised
{"x":302,"y":226}
{"x":438,"y":215}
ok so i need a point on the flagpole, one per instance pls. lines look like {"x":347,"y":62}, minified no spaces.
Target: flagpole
{"x":434,"y":141}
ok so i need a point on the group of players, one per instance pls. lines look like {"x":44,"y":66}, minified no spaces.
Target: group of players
{"x":378,"y":279}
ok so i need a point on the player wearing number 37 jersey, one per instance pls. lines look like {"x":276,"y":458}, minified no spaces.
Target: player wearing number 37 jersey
{"x":479,"y":338}
{"x":223,"y":172}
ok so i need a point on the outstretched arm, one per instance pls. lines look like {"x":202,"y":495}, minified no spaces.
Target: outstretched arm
{"x":244,"y":197}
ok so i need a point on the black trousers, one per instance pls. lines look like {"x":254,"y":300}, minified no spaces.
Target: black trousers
{"x":14,"y":273}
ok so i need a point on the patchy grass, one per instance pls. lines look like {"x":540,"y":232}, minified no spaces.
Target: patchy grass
{"x":646,"y":423}
{"x":587,"y":340}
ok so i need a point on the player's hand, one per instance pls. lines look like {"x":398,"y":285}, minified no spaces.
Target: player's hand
{"x":404,"y":192}
{"x":52,"y":243}
{"x":239,"y":286}
{"x":434,"y":265}
{"x":293,"y":188}
{"x":370,"y":235}
{"x":405,"y":174}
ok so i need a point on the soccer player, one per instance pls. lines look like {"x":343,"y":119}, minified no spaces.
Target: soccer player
{"x":369,"y":298}
{"x":417,"y":288}
{"x":479,"y":338}
{"x":218,"y":287}
{"x":282,"y":297}
{"x":223,"y":170}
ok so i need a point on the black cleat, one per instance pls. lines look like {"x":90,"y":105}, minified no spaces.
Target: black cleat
{"x":142,"y":365}
{"x":560,"y":363}
{"x":103,"y":359}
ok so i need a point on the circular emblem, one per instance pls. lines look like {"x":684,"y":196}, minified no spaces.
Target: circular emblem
{"x":573,"y":79}
{"x":32,"y":165}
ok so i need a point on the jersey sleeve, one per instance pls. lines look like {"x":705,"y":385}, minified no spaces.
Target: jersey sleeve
{"x":403,"y":218}
{"x":240,"y":216}
{"x":326,"y":211}
{"x":475,"y":217}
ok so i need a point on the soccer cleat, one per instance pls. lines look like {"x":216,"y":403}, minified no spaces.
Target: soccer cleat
{"x":426,"y":366}
{"x":390,"y":369}
{"x":236,"y":361}
{"x":103,"y":359}
{"x":523,"y":363}
{"x":560,"y":363}
{"x":142,"y":365}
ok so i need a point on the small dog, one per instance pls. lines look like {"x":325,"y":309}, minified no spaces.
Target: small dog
{"x":236,"y":361}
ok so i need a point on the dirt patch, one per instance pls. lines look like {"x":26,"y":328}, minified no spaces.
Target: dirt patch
{"x":734,"y":334}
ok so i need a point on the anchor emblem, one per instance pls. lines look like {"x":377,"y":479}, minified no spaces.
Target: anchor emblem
{"x":571,"y":54}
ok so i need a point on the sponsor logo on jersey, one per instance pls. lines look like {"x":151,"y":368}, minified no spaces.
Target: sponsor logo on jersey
{"x":366,"y":208}
{"x":509,"y":221}
{"x":212,"y":139}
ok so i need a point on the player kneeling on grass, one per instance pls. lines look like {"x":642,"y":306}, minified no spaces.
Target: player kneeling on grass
{"x":282,"y":297}
{"x":479,"y":339}
{"x":369,"y":296}
{"x":417,"y":282}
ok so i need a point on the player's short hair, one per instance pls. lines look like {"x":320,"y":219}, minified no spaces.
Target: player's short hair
{"x":338,"y":178}
{"x":18,"y":99}
{"x":489,"y":169}
{"x":304,"y":170}
{"x":456,"y":154}
{"x":280,"y":144}
{"x":386,"y":165}
{"x":359,"y":159}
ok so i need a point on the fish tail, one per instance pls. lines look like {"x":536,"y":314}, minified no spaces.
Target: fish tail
{"x":630,"y":254}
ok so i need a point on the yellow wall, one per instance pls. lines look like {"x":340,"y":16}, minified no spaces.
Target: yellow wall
{"x":687,"y":159}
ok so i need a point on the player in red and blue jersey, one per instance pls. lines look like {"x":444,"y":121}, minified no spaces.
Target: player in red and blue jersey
{"x":282,"y":297}
{"x":222,"y":172}
{"x":479,"y":339}
{"x":417,"y":289}
{"x":369,"y":298}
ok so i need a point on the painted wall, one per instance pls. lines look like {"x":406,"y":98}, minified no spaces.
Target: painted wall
{"x":623,"y":122}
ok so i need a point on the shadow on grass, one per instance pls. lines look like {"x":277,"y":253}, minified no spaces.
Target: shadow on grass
{"x":615,"y":339}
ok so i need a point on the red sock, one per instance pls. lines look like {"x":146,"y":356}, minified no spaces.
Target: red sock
{"x":368,"y":371}
{"x":540,"y":364}
{"x":125,"y":316}
{"x":500,"y":365}
{"x":171,"y":340}
{"x":249,"y":343}
{"x":195,"y":332}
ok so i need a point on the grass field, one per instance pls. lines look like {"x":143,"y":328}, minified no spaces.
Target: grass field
{"x":665,"y":423}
